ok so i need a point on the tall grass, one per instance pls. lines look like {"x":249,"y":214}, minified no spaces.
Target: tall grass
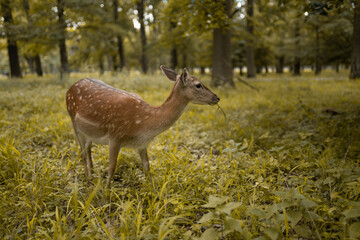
{"x":284,"y":163}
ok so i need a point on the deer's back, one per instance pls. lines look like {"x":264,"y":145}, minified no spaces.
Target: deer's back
{"x":107,"y":109}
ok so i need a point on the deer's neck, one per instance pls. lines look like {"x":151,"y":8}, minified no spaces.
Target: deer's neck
{"x":171,"y":109}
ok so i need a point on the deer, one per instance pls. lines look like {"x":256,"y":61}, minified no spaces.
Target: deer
{"x":106,"y":115}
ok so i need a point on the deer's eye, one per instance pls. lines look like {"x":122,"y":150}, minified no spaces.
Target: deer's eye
{"x":198,"y":85}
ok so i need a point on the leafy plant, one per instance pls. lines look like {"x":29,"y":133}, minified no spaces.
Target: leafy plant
{"x":219,"y":218}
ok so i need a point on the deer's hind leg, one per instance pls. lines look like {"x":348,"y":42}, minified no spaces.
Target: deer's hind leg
{"x":85,"y":152}
{"x":114,"y":148}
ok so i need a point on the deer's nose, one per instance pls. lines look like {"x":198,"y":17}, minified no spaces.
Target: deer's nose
{"x":217,"y":98}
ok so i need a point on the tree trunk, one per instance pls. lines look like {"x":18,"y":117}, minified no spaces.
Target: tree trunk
{"x":297,"y":64}
{"x":280,"y":65}
{"x":258,"y":69}
{"x":317,"y":57}
{"x":30,"y":63}
{"x":250,"y":56}
{"x":101,"y":66}
{"x":14,"y":63}
{"x":113,"y":62}
{"x":62,"y":44}
{"x":173,"y":54}
{"x":184,"y":58}
{"x":38,"y":67}
{"x":143,"y":60}
{"x":355,"y":60}
{"x":120,"y":41}
{"x":34,"y":59}
{"x":222,"y":70}
{"x":241,"y":71}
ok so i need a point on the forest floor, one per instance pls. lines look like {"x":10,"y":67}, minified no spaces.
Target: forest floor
{"x":283,"y":162}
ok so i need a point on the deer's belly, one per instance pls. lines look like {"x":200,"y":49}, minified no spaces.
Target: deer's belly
{"x":91,"y":130}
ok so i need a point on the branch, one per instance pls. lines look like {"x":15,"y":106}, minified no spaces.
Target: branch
{"x":247,"y":84}
{"x":234,"y":12}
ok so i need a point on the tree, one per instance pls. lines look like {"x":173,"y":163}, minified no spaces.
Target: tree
{"x":176,"y":42}
{"x":324,"y":6}
{"x":64,"y":69}
{"x":174,"y":53}
{"x":250,"y":58}
{"x":12,"y":47}
{"x":199,"y":18}
{"x":355,"y":59}
{"x":119,"y":38}
{"x":297,"y":53}
{"x":221,"y":58}
{"x":34,"y":58}
{"x":143,"y":60}
{"x":337,"y":40}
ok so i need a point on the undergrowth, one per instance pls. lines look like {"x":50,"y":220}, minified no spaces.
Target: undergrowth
{"x":283,"y":164}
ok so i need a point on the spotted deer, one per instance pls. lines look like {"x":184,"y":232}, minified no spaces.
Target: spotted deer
{"x":107,"y":115}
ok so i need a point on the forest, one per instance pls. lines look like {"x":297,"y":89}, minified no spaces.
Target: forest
{"x":259,"y":36}
{"x":278,"y":157}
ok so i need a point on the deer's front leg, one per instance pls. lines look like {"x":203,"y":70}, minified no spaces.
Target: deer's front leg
{"x":114,"y":148}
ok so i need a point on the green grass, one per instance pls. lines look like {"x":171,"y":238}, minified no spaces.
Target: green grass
{"x":283,"y":164}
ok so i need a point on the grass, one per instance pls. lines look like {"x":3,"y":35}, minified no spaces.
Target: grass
{"x":283,"y":164}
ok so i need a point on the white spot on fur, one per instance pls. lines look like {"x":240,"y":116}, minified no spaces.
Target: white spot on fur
{"x":78,"y":91}
{"x":80,"y":97}
{"x":138,"y":121}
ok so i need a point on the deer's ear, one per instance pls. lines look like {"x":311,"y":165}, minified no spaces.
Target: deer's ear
{"x":183,"y":76}
{"x":170,"y":74}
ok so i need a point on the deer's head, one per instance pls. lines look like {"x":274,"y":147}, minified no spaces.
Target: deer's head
{"x":190,"y":87}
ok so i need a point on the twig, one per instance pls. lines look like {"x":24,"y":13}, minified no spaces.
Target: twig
{"x":247,"y":84}
{"x":221,"y":110}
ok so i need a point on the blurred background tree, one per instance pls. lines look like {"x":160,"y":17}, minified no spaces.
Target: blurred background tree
{"x":10,"y":33}
{"x":223,"y":37}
